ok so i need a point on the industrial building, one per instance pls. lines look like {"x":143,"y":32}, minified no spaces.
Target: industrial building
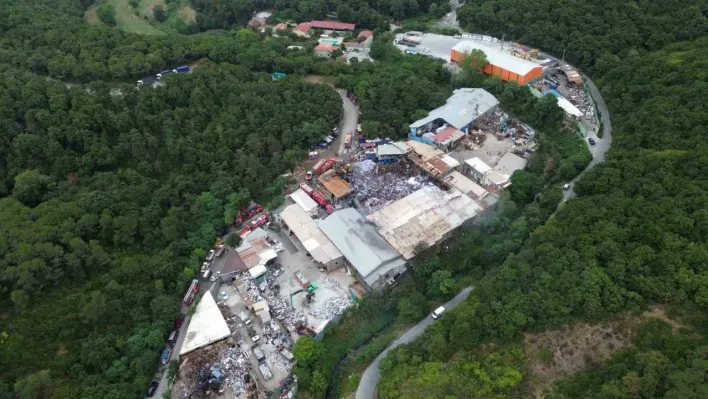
{"x":423,"y":219}
{"x":445,"y":126}
{"x":305,"y":201}
{"x":335,"y":187}
{"x":466,"y":186}
{"x":297,"y":222}
{"x":496,"y":177}
{"x":206,"y":326}
{"x":376,"y":263}
{"x":433,"y":161}
{"x":508,"y":67}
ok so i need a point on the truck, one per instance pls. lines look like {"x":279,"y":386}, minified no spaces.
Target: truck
{"x":319,"y":198}
{"x":301,"y":279}
{"x":163,"y":74}
{"x":252,"y":210}
{"x":409,"y":40}
{"x":181,"y":69}
{"x":307,"y":189}
{"x":244,"y":231}
{"x":191,"y":292}
{"x":329,"y":209}
{"x":261,"y":221}
{"x":324,"y":166}
{"x":348,"y":140}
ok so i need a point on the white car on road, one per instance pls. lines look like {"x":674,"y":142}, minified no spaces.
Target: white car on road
{"x":438,"y":312}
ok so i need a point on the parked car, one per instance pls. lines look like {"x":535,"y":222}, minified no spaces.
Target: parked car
{"x":151,"y":389}
{"x":179,"y":320}
{"x":309,"y":175}
{"x":173,"y":337}
{"x":438,"y":312}
{"x":223,"y":295}
{"x":591,"y":141}
{"x":165,"y":356}
{"x":210,"y":255}
{"x":278,"y":272}
{"x":215,"y":276}
{"x":566,"y":187}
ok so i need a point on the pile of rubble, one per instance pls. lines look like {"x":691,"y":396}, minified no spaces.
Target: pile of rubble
{"x":275,"y":361}
{"x":332,"y":307}
{"x":236,"y":365}
{"x":332,"y":284}
{"x":378,"y":185}
{"x":281,"y":309}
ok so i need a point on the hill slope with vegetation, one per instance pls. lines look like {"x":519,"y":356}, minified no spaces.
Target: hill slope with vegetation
{"x":635,"y":235}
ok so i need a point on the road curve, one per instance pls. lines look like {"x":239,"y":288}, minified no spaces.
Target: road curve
{"x":601,"y":144}
{"x":372,"y":375}
{"x":349,"y":119}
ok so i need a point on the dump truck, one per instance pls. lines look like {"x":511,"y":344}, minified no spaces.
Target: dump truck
{"x":319,"y":198}
{"x":261,"y":221}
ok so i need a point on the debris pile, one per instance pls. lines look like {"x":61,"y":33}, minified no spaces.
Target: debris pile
{"x":331,"y":283}
{"x":265,"y":371}
{"x":276,"y":361}
{"x":236,"y":365}
{"x":378,"y":185}
{"x":331,"y":308}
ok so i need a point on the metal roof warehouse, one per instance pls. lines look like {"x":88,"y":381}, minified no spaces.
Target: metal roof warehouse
{"x":368,"y":252}
{"x":311,"y":237}
{"x":206,"y":327}
{"x":464,"y":107}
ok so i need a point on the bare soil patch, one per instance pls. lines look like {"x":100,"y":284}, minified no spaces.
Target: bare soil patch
{"x":554,"y":354}
{"x":90,"y":16}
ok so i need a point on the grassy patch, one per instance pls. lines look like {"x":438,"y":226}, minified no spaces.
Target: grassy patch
{"x":129,"y":22}
{"x":187,"y":14}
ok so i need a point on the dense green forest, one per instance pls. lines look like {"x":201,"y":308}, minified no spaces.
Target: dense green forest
{"x":635,"y":235}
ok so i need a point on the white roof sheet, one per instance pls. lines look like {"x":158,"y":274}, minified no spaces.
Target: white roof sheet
{"x":498,"y":179}
{"x":206,"y":326}
{"x":306,"y":230}
{"x":358,"y":240}
{"x":304,"y":201}
{"x":257,"y":271}
{"x":425,"y":218}
{"x":510,"y":163}
{"x":497,"y":57}
{"x":465,"y":185}
{"x":462,"y":108}
{"x":389,"y":150}
{"x":568,"y":107}
{"x":450,"y":161}
{"x":478,"y":165}
{"x":425,"y":151}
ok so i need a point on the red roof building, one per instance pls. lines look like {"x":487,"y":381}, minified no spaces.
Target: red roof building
{"x":332,"y":25}
{"x":280,"y":26}
{"x":303,"y":27}
{"x":365,"y":33}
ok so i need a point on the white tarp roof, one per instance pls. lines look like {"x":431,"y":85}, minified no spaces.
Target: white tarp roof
{"x":257,"y":271}
{"x":206,"y":326}
{"x":311,"y":237}
{"x":306,"y":203}
{"x":568,"y":107}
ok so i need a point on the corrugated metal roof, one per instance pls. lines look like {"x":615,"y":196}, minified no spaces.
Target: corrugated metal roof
{"x":206,"y":326}
{"x":510,"y":163}
{"x":462,"y":108}
{"x":358,"y":240}
{"x":334,"y":25}
{"x":497,"y":57}
{"x":334,"y":184}
{"x":423,"y":218}
{"x":304,"y":201}
{"x":311,"y":237}
{"x":389,"y":150}
{"x":423,"y":150}
{"x":465,"y":185}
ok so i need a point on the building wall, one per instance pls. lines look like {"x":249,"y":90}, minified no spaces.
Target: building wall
{"x":323,"y":54}
{"x":413,"y":135}
{"x":504,"y":74}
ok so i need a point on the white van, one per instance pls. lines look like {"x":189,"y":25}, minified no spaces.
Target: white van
{"x":206,"y":274}
{"x":210,"y":255}
{"x":438,"y":312}
{"x":566,"y":187}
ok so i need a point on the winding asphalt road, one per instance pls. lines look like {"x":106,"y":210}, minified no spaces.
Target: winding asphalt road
{"x":372,"y":375}
{"x":601,"y":144}
{"x":350,"y":119}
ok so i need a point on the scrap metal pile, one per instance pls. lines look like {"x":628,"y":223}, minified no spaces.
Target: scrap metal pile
{"x":378,"y":185}
{"x":332,"y":307}
{"x":236,"y":365}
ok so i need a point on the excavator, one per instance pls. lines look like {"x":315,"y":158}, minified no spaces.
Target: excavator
{"x":311,"y":288}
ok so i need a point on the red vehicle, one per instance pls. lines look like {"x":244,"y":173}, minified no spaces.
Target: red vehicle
{"x":191,"y":292}
{"x":244,"y":231}
{"x":307,"y":189}
{"x":318,"y":165}
{"x":329,"y":208}
{"x":261,"y":221}
{"x":327,"y":165}
{"x":348,"y":140}
{"x":179,"y":320}
{"x":251,"y":211}
{"x":319,"y":198}
{"x":352,"y":97}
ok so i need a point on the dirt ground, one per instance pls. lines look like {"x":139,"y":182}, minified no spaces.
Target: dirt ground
{"x":554,"y":354}
{"x":90,"y":16}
